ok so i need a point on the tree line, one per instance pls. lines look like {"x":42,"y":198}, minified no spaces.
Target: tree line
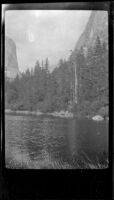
{"x":40,"y":89}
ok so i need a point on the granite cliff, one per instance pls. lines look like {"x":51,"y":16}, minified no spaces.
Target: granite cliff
{"x":11,"y":63}
{"x":97,"y":26}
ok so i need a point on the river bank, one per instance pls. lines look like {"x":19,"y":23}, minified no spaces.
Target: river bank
{"x":61,"y":114}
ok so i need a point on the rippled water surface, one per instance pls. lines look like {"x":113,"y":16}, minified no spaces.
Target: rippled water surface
{"x":43,"y":142}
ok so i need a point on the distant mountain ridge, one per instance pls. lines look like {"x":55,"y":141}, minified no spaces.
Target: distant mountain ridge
{"x":11,"y":62}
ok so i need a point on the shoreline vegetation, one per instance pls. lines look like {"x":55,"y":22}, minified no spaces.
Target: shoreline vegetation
{"x":61,"y":114}
{"x":12,"y":163}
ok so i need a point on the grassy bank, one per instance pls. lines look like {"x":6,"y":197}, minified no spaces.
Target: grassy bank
{"x":83,"y":162}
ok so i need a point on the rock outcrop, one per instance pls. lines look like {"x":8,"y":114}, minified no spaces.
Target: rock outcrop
{"x":97,"y":26}
{"x":11,"y":63}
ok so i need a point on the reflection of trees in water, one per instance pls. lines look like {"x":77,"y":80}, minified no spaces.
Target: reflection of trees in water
{"x":57,"y":143}
{"x":57,"y":147}
{"x":89,"y":137}
{"x":85,"y":144}
{"x":32,"y":143}
{"x":37,"y":142}
{"x":72,"y":136}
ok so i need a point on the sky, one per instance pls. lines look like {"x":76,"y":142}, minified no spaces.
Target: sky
{"x":39,"y":34}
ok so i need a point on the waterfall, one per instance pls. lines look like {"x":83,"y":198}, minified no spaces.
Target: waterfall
{"x":75,"y":87}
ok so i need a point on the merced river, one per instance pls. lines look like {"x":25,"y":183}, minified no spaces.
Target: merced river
{"x":46,"y":142}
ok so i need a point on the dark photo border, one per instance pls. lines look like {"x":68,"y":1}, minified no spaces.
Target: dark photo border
{"x":25,"y":184}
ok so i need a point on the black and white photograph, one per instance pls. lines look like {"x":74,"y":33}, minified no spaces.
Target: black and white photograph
{"x":56,"y":89}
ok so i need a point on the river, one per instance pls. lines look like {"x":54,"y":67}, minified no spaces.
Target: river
{"x":46,"y":142}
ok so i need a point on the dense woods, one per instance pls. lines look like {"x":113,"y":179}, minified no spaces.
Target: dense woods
{"x":93,"y":80}
{"x":40,"y":89}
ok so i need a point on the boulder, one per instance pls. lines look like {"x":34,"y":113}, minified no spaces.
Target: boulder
{"x":97,"y":118}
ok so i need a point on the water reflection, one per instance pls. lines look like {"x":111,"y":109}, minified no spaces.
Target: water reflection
{"x":42,"y":142}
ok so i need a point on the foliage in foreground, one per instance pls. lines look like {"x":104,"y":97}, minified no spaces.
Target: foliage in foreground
{"x":81,"y":162}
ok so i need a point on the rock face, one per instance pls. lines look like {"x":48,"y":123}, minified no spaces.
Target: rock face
{"x":11,"y":63}
{"x":97,"y":26}
{"x":97,"y":118}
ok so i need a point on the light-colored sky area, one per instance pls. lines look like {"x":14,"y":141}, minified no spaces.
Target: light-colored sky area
{"x":44,"y":33}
